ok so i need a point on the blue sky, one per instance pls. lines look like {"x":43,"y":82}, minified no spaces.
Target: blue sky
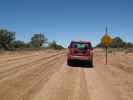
{"x":65,"y":20}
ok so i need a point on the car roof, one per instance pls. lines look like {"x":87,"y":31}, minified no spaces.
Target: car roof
{"x":80,"y":41}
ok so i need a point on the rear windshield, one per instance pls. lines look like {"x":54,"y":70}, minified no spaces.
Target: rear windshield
{"x":81,"y":45}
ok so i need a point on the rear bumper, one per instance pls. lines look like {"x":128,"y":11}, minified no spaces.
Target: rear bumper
{"x":81,"y":58}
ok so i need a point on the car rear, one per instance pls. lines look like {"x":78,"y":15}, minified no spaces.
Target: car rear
{"x":80,"y":51}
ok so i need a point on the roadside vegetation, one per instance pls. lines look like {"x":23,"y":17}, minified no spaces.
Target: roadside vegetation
{"x":38,"y":41}
{"x":118,"y":44}
{"x":54,"y":45}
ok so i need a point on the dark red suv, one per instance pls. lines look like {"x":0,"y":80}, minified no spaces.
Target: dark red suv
{"x":80,"y":51}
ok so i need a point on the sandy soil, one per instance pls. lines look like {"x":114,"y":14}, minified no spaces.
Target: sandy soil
{"x":46,"y":76}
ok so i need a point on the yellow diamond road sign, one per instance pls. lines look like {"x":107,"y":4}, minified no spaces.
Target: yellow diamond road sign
{"x":106,"y":40}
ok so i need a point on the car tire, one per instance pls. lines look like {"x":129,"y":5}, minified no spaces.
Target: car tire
{"x":90,"y":63}
{"x":69,"y":62}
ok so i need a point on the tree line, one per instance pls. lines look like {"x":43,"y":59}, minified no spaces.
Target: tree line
{"x":118,"y":42}
{"x":8,"y":41}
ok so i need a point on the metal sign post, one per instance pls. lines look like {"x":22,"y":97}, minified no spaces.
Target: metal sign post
{"x":106,"y":40}
{"x":106,"y":55}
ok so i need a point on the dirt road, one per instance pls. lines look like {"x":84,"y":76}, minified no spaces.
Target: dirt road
{"x":45,"y":76}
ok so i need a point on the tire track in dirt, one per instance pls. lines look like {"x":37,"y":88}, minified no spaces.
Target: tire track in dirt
{"x":10,"y":65}
{"x":123,"y":66}
{"x":13,"y":61}
{"x":23,"y":86}
{"x":98,"y":87}
{"x":118,"y":73}
{"x":19,"y":68}
{"x":67,"y":84}
{"x":84,"y":94}
{"x":120,"y":80}
{"x":122,"y":61}
{"x":60,"y":87}
{"x":7,"y":63}
{"x":44,"y":78}
{"x":20,"y":56}
{"x":16,"y":58}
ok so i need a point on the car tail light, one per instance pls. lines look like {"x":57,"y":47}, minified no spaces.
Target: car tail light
{"x":73,"y":51}
{"x":88,"y":52}
{"x":70,"y":51}
{"x":91,"y":52}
